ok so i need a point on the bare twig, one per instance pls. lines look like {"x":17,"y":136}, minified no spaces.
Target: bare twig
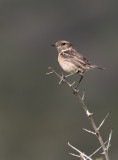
{"x":83,"y":96}
{"x":80,"y":156}
{"x":89,"y":131}
{"x":108,"y":145}
{"x":89,"y":155}
{"x":74,"y":155}
{"x":81,"y":153}
{"x":89,"y":115}
{"x":103,"y":121}
{"x":97,"y":150}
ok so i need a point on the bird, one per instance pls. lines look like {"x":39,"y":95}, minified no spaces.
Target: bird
{"x":72,"y":61}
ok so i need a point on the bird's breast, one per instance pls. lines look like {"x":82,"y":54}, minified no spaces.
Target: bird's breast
{"x":67,"y":65}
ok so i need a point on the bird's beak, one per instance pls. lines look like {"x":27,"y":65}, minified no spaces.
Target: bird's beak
{"x":53,"y":45}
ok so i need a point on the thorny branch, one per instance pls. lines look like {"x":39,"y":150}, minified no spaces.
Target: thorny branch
{"x":96,"y":132}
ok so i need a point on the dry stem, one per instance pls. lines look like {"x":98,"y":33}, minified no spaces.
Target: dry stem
{"x":89,"y":115}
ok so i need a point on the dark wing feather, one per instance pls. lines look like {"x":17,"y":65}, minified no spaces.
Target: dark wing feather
{"x":76,"y":58}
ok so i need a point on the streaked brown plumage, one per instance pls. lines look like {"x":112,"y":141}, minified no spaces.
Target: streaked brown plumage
{"x":71,"y":61}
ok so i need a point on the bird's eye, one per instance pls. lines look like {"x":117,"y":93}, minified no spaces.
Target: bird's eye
{"x":63,"y":44}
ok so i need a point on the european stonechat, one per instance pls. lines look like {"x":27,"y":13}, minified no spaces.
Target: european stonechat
{"x":71,"y":61}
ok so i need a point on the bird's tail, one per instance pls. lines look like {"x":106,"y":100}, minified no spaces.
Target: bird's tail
{"x":94,"y":66}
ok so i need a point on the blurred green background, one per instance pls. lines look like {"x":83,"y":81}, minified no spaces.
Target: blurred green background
{"x":37,"y":116}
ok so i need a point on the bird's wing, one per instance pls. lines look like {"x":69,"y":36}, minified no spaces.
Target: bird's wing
{"x":76,"y":58}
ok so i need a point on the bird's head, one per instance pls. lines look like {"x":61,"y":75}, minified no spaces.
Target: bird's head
{"x":62,"y":45}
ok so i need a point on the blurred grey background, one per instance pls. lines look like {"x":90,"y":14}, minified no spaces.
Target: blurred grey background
{"x":37,"y":116}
